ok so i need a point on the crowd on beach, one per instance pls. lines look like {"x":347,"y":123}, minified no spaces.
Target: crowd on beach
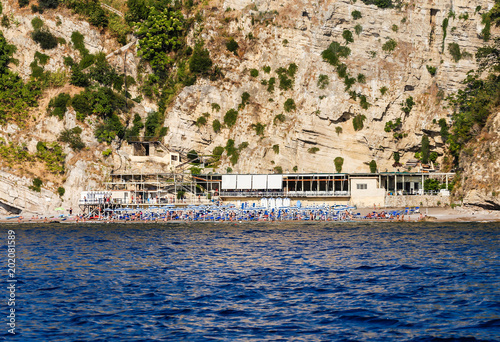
{"x":221,"y":213}
{"x":229,"y":213}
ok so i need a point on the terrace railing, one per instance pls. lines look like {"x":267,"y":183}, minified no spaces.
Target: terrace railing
{"x":244,"y":193}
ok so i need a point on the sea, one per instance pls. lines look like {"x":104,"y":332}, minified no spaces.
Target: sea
{"x":296,"y":281}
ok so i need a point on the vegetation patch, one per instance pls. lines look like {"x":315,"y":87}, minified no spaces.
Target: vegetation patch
{"x":279,"y":118}
{"x":232,"y":151}
{"x":396,"y":157}
{"x":407,"y":105}
{"x":232,"y":46}
{"x":431,"y":69}
{"x":392,"y":126}
{"x":334,"y":52}
{"x":339,"y":162}
{"x":216,"y":125}
{"x":53,"y":156}
{"x":45,"y":38}
{"x":73,"y":138}
{"x":323,"y":81}
{"x":454,"y":50}
{"x":16,"y":96}
{"x":286,"y":77}
{"x":259,"y":128}
{"x":37,"y":23}
{"x":91,"y":9}
{"x":270,"y":84}
{"x":159,"y":34}
{"x":348,"y":37}
{"x":379,"y":3}
{"x":444,"y":26}
{"x":389,"y":45}
{"x":134,"y":132}
{"x":361,"y":78}
{"x":364,"y":102}
{"x":37,"y":185}
{"x":61,"y":191}
{"x":357,"y":122}
{"x":245,"y":99}
{"x":230,"y":117}
{"x":153,"y":127}
{"x":201,"y":121}
{"x":289,"y":105}
{"x":358,"y":29}
{"x":58,"y":105}
{"x":215,"y":107}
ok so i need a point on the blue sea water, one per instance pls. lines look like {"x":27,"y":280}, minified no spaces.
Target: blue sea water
{"x":255,"y":282}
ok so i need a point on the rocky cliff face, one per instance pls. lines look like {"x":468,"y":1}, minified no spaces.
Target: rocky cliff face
{"x":297,"y":32}
{"x":481,"y":168}
{"x":84,"y":170}
{"x":277,"y":34}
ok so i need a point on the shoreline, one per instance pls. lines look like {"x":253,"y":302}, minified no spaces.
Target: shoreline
{"x":428,"y":215}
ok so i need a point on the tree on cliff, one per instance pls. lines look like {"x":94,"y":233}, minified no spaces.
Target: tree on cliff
{"x":339,"y":162}
{"x":474,"y":104}
{"x":425,"y":149}
{"x":15,"y":95}
{"x":160,"y":34}
{"x":6,"y":51}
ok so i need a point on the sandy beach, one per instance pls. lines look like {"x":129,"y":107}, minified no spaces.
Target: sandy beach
{"x":445,"y":214}
{"x":426,"y":214}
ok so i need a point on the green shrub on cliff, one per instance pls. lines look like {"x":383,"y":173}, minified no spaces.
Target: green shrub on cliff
{"x":356,"y":15}
{"x":389,"y":45}
{"x":334,"y":52}
{"x":232,"y":46}
{"x":45,"y":38}
{"x":357,"y":122}
{"x":37,"y":183}
{"x":73,"y":138}
{"x":323,"y":81}
{"x":379,"y":3}
{"x":58,"y":105}
{"x":259,"y":128}
{"x":230,"y":117}
{"x":216,"y":125}
{"x":289,"y":105}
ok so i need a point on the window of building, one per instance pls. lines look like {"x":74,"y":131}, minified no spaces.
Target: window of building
{"x":361,"y":186}
{"x":174,"y":158}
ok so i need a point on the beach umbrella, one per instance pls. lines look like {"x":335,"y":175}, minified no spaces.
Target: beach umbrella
{"x":279,"y":202}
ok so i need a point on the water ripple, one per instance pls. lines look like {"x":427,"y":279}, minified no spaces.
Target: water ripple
{"x":258,"y":282}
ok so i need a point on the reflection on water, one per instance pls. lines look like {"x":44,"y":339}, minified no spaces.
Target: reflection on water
{"x":259,"y":281}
